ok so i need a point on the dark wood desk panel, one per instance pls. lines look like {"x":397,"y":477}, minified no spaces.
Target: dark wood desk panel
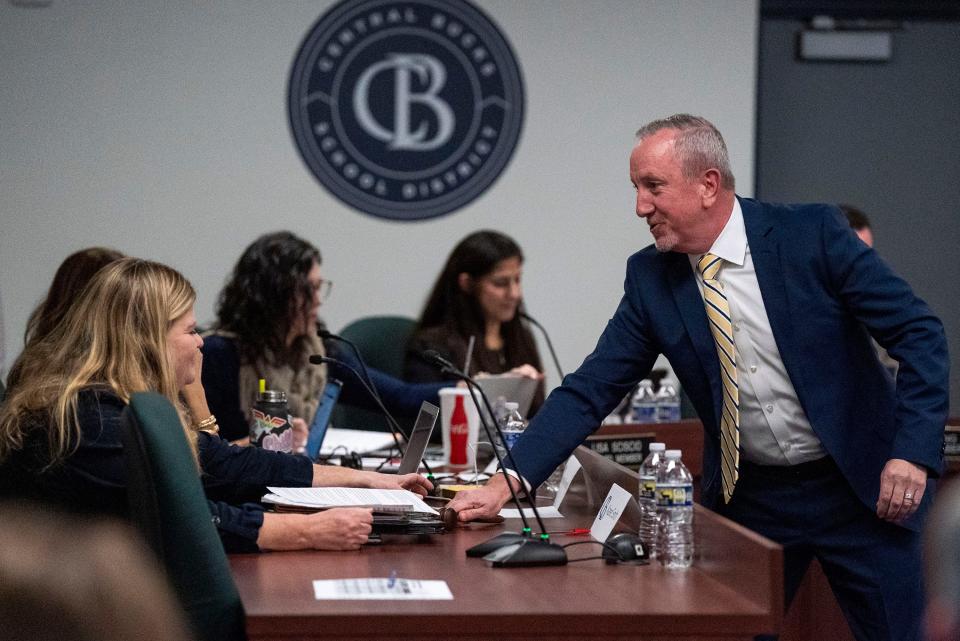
{"x":814,"y":614}
{"x":685,"y":435}
{"x":733,"y":591}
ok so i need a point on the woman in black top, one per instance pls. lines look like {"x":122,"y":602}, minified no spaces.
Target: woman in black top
{"x":478,"y":295}
{"x":133,"y":329}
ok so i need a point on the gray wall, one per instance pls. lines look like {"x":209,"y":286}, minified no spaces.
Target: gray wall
{"x":882,"y":137}
{"x":160,"y":128}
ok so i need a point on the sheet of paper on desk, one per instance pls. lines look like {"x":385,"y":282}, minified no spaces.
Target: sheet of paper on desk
{"x":360,"y":441}
{"x":381,"y":589}
{"x":548,"y":512}
{"x":327,"y":497}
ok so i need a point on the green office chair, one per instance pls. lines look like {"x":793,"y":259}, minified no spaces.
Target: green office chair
{"x":382,"y":341}
{"x":168,"y":506}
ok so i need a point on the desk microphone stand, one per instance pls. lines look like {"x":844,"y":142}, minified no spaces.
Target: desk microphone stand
{"x":509,"y":549}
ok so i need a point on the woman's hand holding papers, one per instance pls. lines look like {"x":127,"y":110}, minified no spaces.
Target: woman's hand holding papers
{"x":343,"y":528}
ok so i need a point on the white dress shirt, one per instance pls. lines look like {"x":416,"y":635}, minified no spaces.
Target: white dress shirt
{"x":773,"y":427}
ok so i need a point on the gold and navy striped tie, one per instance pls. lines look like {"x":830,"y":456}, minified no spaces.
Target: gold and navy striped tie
{"x":718,"y":313}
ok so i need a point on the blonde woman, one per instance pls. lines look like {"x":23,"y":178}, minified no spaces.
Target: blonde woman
{"x":133,"y":330}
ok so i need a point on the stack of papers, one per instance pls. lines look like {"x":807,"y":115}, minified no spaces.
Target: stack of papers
{"x":322,"y":498}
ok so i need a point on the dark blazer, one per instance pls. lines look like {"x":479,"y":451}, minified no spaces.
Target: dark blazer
{"x":825,"y":294}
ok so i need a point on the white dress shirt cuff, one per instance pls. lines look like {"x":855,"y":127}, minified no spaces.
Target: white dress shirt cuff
{"x":526,"y":486}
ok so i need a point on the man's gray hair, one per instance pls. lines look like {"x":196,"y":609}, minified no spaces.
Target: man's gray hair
{"x":698,"y":144}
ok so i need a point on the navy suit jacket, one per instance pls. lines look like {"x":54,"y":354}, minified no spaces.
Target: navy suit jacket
{"x":825,"y":294}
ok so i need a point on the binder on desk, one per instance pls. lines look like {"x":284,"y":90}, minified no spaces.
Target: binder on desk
{"x":394,"y":511}
{"x":324,"y":498}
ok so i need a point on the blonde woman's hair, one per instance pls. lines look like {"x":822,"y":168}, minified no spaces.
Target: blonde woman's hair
{"x":114,"y":336}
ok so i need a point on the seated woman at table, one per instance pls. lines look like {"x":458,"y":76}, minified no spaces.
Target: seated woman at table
{"x":267,"y":328}
{"x":71,"y":277}
{"x":477,"y":295}
{"x":133,"y":329}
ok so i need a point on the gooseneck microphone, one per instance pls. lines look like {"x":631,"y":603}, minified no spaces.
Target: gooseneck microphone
{"x":325,"y":335}
{"x":367,"y":381}
{"x":317,"y":359}
{"x":392,"y":423}
{"x":556,"y":361}
{"x":508,"y":549}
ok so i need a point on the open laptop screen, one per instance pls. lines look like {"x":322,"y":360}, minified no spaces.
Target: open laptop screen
{"x":321,"y":420}
{"x":419,"y":438}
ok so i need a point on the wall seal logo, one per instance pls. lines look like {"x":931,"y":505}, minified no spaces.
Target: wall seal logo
{"x":406,"y":110}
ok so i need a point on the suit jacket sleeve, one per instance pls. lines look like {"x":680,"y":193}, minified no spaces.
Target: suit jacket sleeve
{"x":625,"y":353}
{"x":400,"y":397}
{"x":906,"y":327}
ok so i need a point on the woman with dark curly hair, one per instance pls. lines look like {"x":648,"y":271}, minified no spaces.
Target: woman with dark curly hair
{"x":477,"y":295}
{"x":267,"y":328}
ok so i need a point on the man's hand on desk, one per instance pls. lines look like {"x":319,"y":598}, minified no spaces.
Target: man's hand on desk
{"x":342,"y":528}
{"x":483,"y":503}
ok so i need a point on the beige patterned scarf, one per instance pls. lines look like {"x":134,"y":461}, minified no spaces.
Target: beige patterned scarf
{"x":301,"y":381}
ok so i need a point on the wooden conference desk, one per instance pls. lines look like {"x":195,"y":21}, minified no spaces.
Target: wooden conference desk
{"x":734,"y":590}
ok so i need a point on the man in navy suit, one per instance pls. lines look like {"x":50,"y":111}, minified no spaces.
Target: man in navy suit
{"x":821,"y":450}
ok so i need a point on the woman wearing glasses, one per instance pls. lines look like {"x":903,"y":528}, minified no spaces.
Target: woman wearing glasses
{"x":267,"y":328}
{"x":477,"y":301}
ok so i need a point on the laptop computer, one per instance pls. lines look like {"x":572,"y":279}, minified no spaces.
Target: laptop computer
{"x":321,"y":419}
{"x":419,"y":438}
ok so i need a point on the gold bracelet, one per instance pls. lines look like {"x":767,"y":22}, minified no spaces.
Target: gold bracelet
{"x":206,"y":423}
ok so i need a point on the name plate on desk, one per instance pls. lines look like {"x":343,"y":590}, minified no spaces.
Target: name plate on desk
{"x":623,"y":444}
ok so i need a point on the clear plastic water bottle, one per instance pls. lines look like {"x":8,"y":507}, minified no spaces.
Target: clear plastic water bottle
{"x":500,"y":410}
{"x":549,"y":488}
{"x":512,"y":428}
{"x":668,"y":404}
{"x":644,"y":403}
{"x":675,"y":502}
{"x":647,"y":499}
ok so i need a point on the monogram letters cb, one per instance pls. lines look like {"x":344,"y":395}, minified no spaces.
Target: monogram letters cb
{"x":405,"y":110}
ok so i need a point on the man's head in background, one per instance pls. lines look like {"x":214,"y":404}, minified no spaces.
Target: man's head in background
{"x":860,"y":223}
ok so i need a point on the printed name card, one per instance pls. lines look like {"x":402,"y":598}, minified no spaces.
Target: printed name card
{"x":610,"y":512}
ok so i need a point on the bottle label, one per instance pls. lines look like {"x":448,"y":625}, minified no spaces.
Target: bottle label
{"x":675,"y":495}
{"x":510,"y":438}
{"x":668,"y":413}
{"x":645,"y":413}
{"x":648,"y":487}
{"x":459,"y":433}
{"x":458,"y":443}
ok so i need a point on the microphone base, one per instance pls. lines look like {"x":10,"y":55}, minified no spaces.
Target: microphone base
{"x":528,"y":553}
{"x":497,"y":542}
